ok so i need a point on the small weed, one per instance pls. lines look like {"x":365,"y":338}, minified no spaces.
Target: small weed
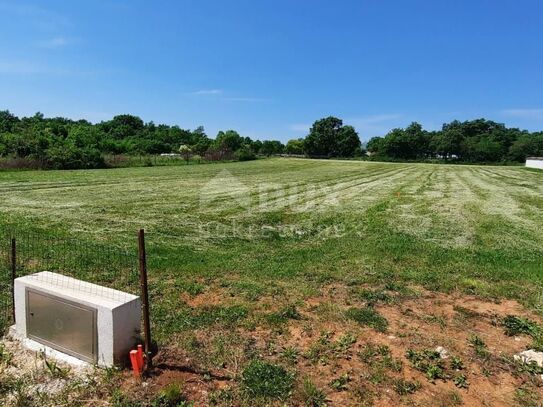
{"x":451,"y":398}
{"x":344,"y":343}
{"x":514,"y":325}
{"x":190,"y":287}
{"x":379,"y":361}
{"x":221,"y":397}
{"x":248,"y":290}
{"x":324,"y":347}
{"x":531,"y":368}
{"x":119,"y":399}
{"x":368,"y":316}
{"x":290,"y":354}
{"x":465,"y":312}
{"x":537,"y":344}
{"x":527,"y":397}
{"x":405,"y":387}
{"x":379,"y":357}
{"x":265,"y":380}
{"x":283,"y":315}
{"x":5,"y":356}
{"x":311,"y":395}
{"x":479,"y":346}
{"x":340,"y":384}
{"x":317,"y":352}
{"x":378,"y":375}
{"x":487,"y":372}
{"x":370,"y":351}
{"x":434,"y":371}
{"x":436,"y":319}
{"x":429,"y":362}
{"x":170,"y":396}
{"x":54,"y":369}
{"x":461,"y":382}
{"x":364,"y":394}
{"x":456,"y":363}
{"x":372,"y":297}
{"x":396,"y":286}
{"x":110,"y":372}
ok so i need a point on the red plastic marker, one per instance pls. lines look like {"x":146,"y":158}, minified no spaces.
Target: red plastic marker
{"x":134,"y":360}
{"x":140,"y":357}
{"x":137,"y":359}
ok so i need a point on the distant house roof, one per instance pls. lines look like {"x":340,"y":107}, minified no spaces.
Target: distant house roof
{"x":534,"y":158}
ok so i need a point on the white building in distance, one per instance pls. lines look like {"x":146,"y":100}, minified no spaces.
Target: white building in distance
{"x":534,"y":162}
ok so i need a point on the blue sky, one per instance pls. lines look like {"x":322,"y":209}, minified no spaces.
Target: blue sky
{"x":269,"y":68}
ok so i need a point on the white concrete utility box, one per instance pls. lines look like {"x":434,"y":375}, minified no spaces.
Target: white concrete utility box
{"x":534,"y":162}
{"x":89,"y":322}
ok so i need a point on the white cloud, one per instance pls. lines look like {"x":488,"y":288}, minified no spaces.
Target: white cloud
{"x":246,"y":99}
{"x":533,"y":114}
{"x":53,"y":43}
{"x":207,"y":92}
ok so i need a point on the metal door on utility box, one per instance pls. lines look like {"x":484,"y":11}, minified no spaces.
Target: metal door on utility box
{"x":62,"y":325}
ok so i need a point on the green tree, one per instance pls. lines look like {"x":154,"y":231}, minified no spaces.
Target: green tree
{"x":348,"y":142}
{"x":7,"y":121}
{"x":527,"y":145}
{"x":271,"y":147}
{"x":245,"y":153}
{"x":329,"y":138}
{"x":295,"y":146}
{"x":228,"y":140}
{"x":186,"y":152}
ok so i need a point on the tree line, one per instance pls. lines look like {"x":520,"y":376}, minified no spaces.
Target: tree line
{"x":63,"y":143}
{"x":474,"y":141}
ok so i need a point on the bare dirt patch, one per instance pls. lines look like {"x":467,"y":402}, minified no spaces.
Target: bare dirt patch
{"x":355,"y":364}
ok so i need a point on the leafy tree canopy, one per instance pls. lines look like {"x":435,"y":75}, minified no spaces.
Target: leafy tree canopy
{"x":328,"y":137}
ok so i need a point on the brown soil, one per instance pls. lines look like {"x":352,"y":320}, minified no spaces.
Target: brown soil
{"x":422,"y":321}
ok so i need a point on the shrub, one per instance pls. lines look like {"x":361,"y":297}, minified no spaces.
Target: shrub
{"x":245,"y":153}
{"x":68,"y":156}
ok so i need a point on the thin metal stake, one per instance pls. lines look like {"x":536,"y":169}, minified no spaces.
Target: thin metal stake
{"x":13,"y":274}
{"x":145,"y":297}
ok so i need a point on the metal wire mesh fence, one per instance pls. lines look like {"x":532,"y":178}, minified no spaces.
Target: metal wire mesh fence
{"x":108,"y":268}
{"x":6,"y":313}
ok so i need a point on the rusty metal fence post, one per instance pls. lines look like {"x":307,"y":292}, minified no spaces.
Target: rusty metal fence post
{"x":145,"y":297}
{"x":13,"y":259}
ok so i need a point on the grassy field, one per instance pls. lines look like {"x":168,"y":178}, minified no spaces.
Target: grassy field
{"x":244,"y":247}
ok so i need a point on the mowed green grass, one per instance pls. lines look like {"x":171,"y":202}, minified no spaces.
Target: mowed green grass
{"x":288,"y":227}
